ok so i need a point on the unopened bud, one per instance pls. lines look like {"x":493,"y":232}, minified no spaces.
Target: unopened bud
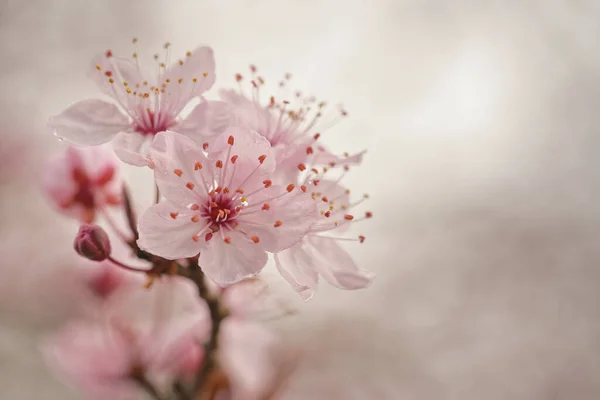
{"x":92,"y":243}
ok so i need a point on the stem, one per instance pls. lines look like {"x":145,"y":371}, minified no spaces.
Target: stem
{"x":148,"y":387}
{"x":180,"y":391}
{"x":157,"y":197}
{"x":130,"y":213}
{"x":113,"y":225}
{"x":125,"y":266}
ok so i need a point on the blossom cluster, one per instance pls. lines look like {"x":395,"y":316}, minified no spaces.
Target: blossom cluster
{"x":237,"y":179}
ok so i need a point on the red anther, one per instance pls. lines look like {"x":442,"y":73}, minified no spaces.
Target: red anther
{"x":230,"y":140}
{"x":108,"y":73}
{"x":368,"y":214}
{"x":261,"y":159}
{"x":174,"y":214}
{"x":195,"y":238}
{"x":219,"y":164}
{"x":205,"y":146}
{"x":266,"y":207}
{"x":221,"y":214}
{"x":309,"y":150}
{"x":301,"y":167}
{"x":226,"y":190}
{"x":234,"y":159}
{"x":267,"y":183}
{"x":194,"y":207}
{"x":227,"y":211}
{"x":218,"y":189}
{"x":178,"y":172}
{"x":211,"y":193}
{"x":254,"y":84}
{"x":332,"y":164}
{"x":277,"y":224}
{"x":227,"y":239}
{"x":198,"y":165}
{"x":346,"y":168}
{"x":238,"y":77}
{"x":272,"y":101}
{"x":195,"y":218}
{"x":290,"y":187}
{"x":327,"y":214}
{"x":213,"y":204}
{"x":316,"y":182}
{"x":317,"y":135}
{"x":255,"y":239}
{"x":324,"y":199}
{"x":208,"y":236}
{"x":286,"y":102}
{"x":361,"y":239}
{"x":108,"y":54}
{"x":252,"y":67}
{"x":316,"y":171}
{"x":190,"y":185}
{"x":303,"y":188}
{"x":240,"y":191}
{"x":348,"y":217}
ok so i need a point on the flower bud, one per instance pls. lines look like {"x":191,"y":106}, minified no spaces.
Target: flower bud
{"x":92,"y":243}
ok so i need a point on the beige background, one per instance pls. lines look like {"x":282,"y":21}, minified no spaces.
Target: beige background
{"x":482,"y":122}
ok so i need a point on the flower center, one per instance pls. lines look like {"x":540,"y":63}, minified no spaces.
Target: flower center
{"x":149,"y":123}
{"x":219,"y":210}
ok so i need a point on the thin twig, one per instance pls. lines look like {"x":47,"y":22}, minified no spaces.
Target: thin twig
{"x":181,"y":391}
{"x":113,"y":225}
{"x":125,"y":266}
{"x":148,"y":387}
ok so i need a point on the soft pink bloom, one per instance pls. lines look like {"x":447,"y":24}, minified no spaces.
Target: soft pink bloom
{"x":143,"y":106}
{"x":104,"y":278}
{"x":222,"y":205}
{"x":102,"y":355}
{"x":290,"y":123}
{"x":81,"y":182}
{"x":319,"y":253}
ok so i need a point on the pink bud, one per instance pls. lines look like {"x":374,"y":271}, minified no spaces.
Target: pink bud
{"x":92,"y":243}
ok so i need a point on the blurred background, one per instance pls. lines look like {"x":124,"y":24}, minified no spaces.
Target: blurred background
{"x":482,"y":126}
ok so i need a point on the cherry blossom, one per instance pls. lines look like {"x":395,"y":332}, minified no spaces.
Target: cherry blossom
{"x":142,"y":107}
{"x":222,"y":205}
{"x":81,"y":182}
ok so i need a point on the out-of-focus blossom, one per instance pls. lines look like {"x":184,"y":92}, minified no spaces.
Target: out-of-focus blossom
{"x":222,"y":205}
{"x":143,"y":106}
{"x":319,"y":253}
{"x":107,"y":356}
{"x":105,"y":278}
{"x":92,"y":243}
{"x":81,"y":182}
{"x":289,"y":122}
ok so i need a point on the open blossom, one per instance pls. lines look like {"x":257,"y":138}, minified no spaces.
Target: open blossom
{"x":81,"y":182}
{"x":289,"y":123}
{"x":143,"y":106}
{"x":106,"y":356}
{"x":222,"y":205}
{"x":319,"y":253}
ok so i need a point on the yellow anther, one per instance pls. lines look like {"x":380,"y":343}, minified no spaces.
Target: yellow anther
{"x":128,"y":91}
{"x":125,"y":84}
{"x":162,"y":65}
{"x":205,"y":74}
{"x":145,"y":83}
{"x":180,"y":62}
{"x":134,"y":55}
{"x":98,"y":67}
{"x":194,"y":80}
{"x":134,"y":40}
{"x":168,"y":81}
{"x":189,"y":54}
{"x":179,"y":80}
{"x":243,"y":199}
{"x":156,"y":57}
{"x":167,"y":45}
{"x":111,"y":80}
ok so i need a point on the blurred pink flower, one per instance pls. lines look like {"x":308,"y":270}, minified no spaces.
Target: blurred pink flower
{"x":81,"y":182}
{"x":319,"y":253}
{"x":289,"y":123}
{"x":104,"y":356}
{"x":222,"y":205}
{"x":141,"y":109}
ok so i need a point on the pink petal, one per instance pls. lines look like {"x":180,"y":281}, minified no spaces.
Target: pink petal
{"x":207,"y":120}
{"x":120,"y":70}
{"x":249,"y":146}
{"x":247,"y":355}
{"x":89,"y":122}
{"x":229,"y":263}
{"x":250,"y":114}
{"x":170,"y":235}
{"x":294,"y":213}
{"x":174,"y":158}
{"x":335,"y":265}
{"x":201,"y":62}
{"x":296,"y":266}
{"x":131,"y":148}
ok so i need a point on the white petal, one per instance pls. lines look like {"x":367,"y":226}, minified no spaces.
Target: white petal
{"x":227,"y":263}
{"x":296,"y":266}
{"x":132,"y":148}
{"x":335,"y":265}
{"x":207,"y":120}
{"x":89,"y":122}
{"x":169,"y":237}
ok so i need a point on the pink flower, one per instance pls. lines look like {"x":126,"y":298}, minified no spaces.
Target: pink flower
{"x":105,"y":278}
{"x":81,"y":182}
{"x":222,"y":205}
{"x":289,"y":123}
{"x":319,"y":252}
{"x":142,"y":109}
{"x":103,"y":356}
